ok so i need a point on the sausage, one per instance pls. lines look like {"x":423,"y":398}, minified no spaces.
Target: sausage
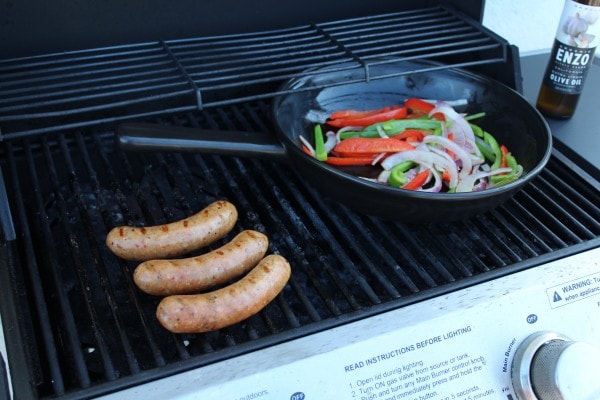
{"x":176,"y":238}
{"x":229,"y":305}
{"x":195,"y":274}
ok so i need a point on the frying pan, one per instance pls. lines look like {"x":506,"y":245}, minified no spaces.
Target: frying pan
{"x":305,"y":100}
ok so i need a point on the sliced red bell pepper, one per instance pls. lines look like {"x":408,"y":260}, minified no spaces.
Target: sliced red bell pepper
{"x":411,"y":135}
{"x":418,"y":181}
{"x":421,"y":107}
{"x":504,"y":150}
{"x":349,"y":160}
{"x":358,"y":147}
{"x":356,"y":113}
{"x":418,"y":106}
{"x":394,"y":113}
{"x":446,"y":176}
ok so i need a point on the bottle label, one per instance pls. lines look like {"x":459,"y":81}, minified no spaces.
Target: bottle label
{"x":573,"y":52}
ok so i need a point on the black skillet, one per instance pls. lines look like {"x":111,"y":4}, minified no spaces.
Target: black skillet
{"x":509,"y":117}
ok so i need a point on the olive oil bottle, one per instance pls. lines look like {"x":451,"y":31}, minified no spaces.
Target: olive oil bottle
{"x":572,"y":56}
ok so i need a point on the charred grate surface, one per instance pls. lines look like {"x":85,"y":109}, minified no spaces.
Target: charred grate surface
{"x":92,"y":331}
{"x":84,"y":88}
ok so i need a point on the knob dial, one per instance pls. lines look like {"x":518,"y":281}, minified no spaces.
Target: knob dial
{"x":550,"y":366}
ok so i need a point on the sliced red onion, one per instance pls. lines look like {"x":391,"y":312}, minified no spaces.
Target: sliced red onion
{"x":441,"y":153}
{"x":378,"y":158}
{"x":465,"y":157}
{"x":459,"y":126}
{"x":384,"y":176}
{"x":482,"y":185}
{"x":467,"y":182}
{"x":423,"y":157}
{"x":382,"y":132}
{"x":331,"y":141}
{"x":347,"y":129}
{"x":309,"y":146}
{"x":410,"y":174}
{"x":445,"y":132}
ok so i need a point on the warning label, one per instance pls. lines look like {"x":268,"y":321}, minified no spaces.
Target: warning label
{"x":573,"y":291}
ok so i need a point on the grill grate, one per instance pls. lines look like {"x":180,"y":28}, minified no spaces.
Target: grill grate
{"x":84,"y":88}
{"x":92,"y":331}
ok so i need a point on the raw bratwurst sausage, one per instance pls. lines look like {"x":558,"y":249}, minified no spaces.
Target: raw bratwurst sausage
{"x":176,"y":238}
{"x":195,"y":274}
{"x":229,"y":305}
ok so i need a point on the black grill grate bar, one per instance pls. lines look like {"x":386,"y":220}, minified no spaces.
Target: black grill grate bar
{"x":475,"y":241}
{"x":143,"y":80}
{"x":551,"y":225}
{"x":39,"y":301}
{"x":403,"y":30}
{"x":87,"y":76}
{"x":89,"y":222}
{"x":82,"y":151}
{"x":46,"y":241}
{"x":240,"y":40}
{"x":523,"y":229}
{"x":92,"y":108}
{"x":400,"y":251}
{"x":533,"y":225}
{"x":497,"y":240}
{"x":428,"y":52}
{"x":517,"y":231}
{"x":40,"y":100}
{"x":76,"y":246}
{"x":419,"y":245}
{"x":456,"y":246}
{"x":67,"y":66}
{"x":269,"y":72}
{"x":264,"y":70}
{"x":417,"y":42}
{"x":362,"y":235}
{"x":238,"y":52}
{"x":411,"y":17}
{"x":575,"y":193}
{"x":66,"y":85}
{"x":48,"y":61}
{"x":564,"y":209}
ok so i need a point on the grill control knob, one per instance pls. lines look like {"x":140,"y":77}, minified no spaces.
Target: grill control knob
{"x":550,"y":366}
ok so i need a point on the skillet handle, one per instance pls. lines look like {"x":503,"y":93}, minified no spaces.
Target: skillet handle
{"x":155,"y":137}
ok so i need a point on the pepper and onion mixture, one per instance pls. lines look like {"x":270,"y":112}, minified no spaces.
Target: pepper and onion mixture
{"x":420,"y":145}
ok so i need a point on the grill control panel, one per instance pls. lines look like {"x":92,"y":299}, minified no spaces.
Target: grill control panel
{"x":493,"y":341}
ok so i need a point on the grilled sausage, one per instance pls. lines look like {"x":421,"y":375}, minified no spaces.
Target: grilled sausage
{"x":195,"y":274}
{"x":229,"y":305}
{"x":176,"y":238}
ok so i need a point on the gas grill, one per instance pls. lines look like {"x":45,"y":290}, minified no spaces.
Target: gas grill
{"x":75,"y":325}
